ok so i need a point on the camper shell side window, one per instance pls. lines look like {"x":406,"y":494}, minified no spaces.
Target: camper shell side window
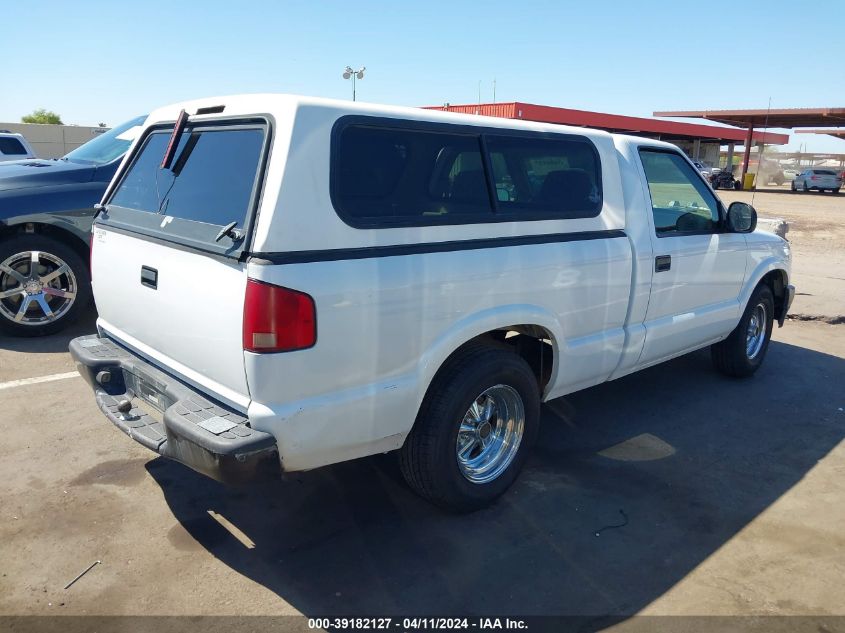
{"x":395,"y":172}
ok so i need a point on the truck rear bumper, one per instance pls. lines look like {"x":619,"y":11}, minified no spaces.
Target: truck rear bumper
{"x":171,"y":418}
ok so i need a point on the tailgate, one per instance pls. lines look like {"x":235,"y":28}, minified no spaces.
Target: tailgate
{"x":181,"y":309}
{"x":167,"y":269}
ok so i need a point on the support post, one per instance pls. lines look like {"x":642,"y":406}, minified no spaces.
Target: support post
{"x":730,"y":163}
{"x":696,"y":149}
{"x":747,"y":155}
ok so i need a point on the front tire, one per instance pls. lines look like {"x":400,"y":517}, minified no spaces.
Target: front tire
{"x":474,"y":429}
{"x":742,"y":353}
{"x":44,"y":285}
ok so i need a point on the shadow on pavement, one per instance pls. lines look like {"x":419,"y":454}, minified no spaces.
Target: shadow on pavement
{"x":352,"y":539}
{"x":86,"y":324}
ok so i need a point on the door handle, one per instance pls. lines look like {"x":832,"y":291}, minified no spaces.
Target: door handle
{"x":662,"y":263}
{"x":149,"y":277}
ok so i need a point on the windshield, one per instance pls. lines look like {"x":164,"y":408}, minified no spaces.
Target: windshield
{"x":108,"y":146}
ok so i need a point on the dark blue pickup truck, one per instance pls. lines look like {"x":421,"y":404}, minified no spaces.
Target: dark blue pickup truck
{"x":46,"y":209}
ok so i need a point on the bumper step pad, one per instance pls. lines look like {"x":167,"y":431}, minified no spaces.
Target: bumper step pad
{"x":202,"y":434}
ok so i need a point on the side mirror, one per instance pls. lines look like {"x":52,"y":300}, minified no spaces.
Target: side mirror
{"x":742,"y":218}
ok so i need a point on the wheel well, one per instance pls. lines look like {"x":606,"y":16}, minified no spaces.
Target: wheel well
{"x":776,"y":280}
{"x":532,"y":342}
{"x":66,"y":237}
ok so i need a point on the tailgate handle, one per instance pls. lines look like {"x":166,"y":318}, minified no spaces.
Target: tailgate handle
{"x":149,"y":277}
{"x":662,"y":263}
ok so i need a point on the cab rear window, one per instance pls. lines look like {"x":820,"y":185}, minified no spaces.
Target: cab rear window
{"x":211,"y":179}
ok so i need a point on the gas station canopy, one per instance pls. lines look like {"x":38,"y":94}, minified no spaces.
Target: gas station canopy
{"x":789,"y":118}
{"x":751,"y":119}
{"x":840,"y":133}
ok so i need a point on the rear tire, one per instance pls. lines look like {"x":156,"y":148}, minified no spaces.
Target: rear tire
{"x":448,"y":424}
{"x":742,"y":353}
{"x":67,"y":292}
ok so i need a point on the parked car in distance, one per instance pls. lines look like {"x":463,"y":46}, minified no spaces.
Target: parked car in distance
{"x":286,"y":282}
{"x":14,"y":147}
{"x":46,"y":208}
{"x":789,"y":173}
{"x":818,"y":179}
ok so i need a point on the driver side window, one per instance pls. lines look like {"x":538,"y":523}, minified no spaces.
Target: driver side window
{"x":680,"y":201}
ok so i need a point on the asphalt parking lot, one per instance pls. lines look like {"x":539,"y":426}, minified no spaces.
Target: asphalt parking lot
{"x":671,"y":491}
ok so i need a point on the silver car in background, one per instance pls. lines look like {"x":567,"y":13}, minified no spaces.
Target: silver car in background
{"x":818,"y":179}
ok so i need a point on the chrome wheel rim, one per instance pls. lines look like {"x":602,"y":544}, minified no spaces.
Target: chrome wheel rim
{"x":755,"y":335}
{"x":36,"y":288}
{"x":490,"y":434}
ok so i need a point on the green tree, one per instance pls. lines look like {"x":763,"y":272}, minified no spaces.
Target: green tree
{"x":42,"y":116}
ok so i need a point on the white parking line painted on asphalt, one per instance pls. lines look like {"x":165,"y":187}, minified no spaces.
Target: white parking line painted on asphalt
{"x":34,"y":381}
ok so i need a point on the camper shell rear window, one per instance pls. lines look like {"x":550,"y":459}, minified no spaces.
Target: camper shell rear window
{"x":394,"y":172}
{"x":213,"y":182}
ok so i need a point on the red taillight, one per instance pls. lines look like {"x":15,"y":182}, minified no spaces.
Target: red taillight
{"x":277,"y":319}
{"x":814,"y":177}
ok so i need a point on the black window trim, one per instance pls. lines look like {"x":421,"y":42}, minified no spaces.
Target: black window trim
{"x":721,"y":225}
{"x":239,"y":251}
{"x":494,"y":213}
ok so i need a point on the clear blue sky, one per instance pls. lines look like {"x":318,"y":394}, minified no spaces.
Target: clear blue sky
{"x":94,"y":61}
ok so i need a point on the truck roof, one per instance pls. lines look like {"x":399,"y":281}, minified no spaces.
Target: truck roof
{"x":277,"y":104}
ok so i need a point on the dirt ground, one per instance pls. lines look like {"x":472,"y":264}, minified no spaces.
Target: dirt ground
{"x":817,"y":235}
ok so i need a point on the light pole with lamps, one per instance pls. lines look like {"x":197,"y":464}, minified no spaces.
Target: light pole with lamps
{"x":354,"y":75}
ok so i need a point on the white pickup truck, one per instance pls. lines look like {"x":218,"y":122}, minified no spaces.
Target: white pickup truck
{"x":287,"y":282}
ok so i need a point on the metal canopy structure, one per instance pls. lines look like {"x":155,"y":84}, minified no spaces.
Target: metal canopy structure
{"x":750,"y":119}
{"x":788,"y":118}
{"x":640,"y":126}
{"x":838,"y":133}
